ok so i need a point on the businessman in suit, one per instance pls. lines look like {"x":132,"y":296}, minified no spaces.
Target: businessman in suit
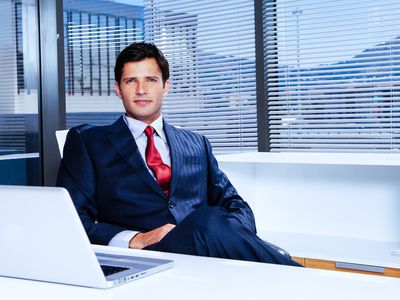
{"x":143,"y":183}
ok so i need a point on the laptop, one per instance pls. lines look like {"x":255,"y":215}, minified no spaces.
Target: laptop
{"x":42,"y":238}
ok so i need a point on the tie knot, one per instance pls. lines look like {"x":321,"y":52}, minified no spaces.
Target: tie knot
{"x":149,"y":131}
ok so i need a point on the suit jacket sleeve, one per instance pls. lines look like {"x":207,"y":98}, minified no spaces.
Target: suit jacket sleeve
{"x":77,"y":174}
{"x":221,"y":192}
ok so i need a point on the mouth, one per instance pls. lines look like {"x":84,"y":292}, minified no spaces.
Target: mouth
{"x":142,"y":101}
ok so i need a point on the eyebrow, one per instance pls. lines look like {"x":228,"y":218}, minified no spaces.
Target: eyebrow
{"x":147,"y":77}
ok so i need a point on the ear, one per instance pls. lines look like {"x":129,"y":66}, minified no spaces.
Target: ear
{"x":166,"y":88}
{"x":117,"y":89}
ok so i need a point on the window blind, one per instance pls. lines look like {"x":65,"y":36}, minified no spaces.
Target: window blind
{"x":211,"y":50}
{"x":332,"y":75}
{"x":95,"y":31}
{"x":18,"y":79}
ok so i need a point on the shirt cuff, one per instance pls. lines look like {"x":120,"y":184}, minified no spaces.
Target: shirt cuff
{"x":122,"y":239}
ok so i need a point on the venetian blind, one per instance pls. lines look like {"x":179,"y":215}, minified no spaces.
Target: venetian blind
{"x":18,"y":81}
{"x":333,"y":75}
{"x":211,"y":50}
{"x":94,"y":33}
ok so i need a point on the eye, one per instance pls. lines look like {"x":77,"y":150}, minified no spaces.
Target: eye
{"x":151,"y":79}
{"x":129,"y":80}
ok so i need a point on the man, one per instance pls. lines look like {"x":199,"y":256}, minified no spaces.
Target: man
{"x":142,"y":183}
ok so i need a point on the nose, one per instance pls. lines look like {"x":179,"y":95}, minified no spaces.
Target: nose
{"x":140,"y":88}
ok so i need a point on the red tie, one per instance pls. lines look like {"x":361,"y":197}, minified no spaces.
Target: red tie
{"x":155,"y":163}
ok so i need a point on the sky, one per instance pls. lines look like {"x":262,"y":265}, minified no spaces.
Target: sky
{"x":325,"y":32}
{"x":130,"y":2}
{"x":310,"y":32}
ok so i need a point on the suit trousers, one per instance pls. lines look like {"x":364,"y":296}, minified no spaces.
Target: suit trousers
{"x":213,"y":231}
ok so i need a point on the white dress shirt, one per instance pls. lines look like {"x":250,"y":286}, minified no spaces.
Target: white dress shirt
{"x":160,"y":141}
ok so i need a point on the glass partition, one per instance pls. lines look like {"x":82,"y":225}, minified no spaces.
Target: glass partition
{"x":19,"y":138}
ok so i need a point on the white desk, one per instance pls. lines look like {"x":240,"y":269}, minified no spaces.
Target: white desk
{"x":209,"y":278}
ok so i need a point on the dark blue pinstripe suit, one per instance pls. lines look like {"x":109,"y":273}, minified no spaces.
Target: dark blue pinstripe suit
{"x":113,"y":191}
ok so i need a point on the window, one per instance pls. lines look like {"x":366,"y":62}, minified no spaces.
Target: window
{"x":94,"y":33}
{"x":332,"y":75}
{"x":211,"y":51}
{"x":19,"y":145}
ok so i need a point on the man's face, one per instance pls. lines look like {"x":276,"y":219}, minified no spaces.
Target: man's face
{"x":142,"y":90}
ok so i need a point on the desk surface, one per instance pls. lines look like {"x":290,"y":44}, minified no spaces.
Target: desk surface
{"x":209,"y":278}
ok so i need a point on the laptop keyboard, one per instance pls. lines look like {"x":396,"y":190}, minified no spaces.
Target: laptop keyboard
{"x":108,"y":270}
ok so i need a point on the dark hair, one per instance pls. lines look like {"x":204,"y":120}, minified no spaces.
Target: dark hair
{"x":137,"y":52}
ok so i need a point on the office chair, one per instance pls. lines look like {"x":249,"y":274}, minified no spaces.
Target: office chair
{"x":61,"y":136}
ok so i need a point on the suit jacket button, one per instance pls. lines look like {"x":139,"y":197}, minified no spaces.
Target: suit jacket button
{"x":171,"y":204}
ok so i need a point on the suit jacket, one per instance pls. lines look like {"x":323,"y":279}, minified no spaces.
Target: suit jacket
{"x":113,"y":191}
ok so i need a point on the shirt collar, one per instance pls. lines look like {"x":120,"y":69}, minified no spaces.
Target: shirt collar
{"x":137,"y":127}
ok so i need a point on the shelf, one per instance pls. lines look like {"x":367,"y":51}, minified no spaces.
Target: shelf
{"x":367,"y":159}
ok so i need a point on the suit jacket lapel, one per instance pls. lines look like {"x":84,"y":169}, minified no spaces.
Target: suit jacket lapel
{"x":124,"y":143}
{"x":176,"y":155}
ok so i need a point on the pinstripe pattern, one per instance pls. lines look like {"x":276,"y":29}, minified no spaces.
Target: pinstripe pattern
{"x":113,"y":190}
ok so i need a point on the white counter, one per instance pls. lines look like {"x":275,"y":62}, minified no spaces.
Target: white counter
{"x":342,"y":207}
{"x":209,"y":278}
{"x":338,"y":249}
{"x":317,"y":158}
